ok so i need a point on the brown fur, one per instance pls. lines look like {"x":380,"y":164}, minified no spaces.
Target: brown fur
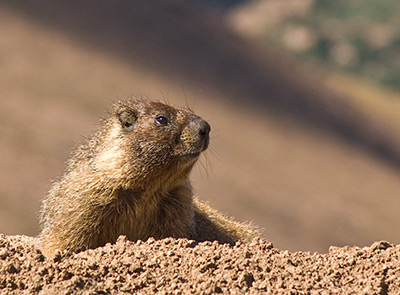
{"x":132,"y":178}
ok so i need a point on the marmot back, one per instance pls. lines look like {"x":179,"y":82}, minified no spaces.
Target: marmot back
{"x":132,"y":178}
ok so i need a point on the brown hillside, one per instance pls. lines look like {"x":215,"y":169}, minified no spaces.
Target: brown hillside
{"x":63,"y":64}
{"x":180,"y":39}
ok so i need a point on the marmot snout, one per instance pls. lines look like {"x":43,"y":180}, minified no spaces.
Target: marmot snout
{"x":196,"y":136}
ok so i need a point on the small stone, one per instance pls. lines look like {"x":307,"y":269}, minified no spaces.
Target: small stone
{"x":381,"y":245}
{"x":3,"y":253}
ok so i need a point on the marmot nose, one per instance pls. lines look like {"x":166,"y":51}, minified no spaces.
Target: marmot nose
{"x":204,"y":132}
{"x":205,"y":129}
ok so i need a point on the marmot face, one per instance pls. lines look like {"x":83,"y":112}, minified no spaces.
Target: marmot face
{"x":148,"y":140}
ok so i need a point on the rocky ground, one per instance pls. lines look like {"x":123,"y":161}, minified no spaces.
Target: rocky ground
{"x":172,"y":266}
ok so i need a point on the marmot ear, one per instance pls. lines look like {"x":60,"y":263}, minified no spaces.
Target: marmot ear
{"x":127,"y":118}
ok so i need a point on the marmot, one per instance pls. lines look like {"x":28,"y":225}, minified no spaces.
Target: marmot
{"x":132,"y":178}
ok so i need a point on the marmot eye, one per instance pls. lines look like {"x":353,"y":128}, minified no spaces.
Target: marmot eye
{"x":162,"y":121}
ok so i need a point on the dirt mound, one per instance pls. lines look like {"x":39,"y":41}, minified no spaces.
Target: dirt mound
{"x":176,"y":266}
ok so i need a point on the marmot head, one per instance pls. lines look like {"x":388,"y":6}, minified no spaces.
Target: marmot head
{"x":149,"y":141}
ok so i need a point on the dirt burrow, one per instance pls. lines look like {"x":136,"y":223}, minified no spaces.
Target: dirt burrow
{"x":180,"y":266}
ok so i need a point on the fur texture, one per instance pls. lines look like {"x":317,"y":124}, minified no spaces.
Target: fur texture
{"x":132,"y":178}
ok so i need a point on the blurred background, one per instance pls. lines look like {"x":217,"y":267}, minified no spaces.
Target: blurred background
{"x":303,"y":97}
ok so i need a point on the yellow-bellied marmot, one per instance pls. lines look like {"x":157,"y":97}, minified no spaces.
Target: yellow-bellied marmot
{"x":132,"y":178}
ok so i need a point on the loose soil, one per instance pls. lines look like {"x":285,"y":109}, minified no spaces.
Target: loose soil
{"x":180,"y":266}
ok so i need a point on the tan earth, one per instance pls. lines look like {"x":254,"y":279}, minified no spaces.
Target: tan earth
{"x":180,"y":266}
